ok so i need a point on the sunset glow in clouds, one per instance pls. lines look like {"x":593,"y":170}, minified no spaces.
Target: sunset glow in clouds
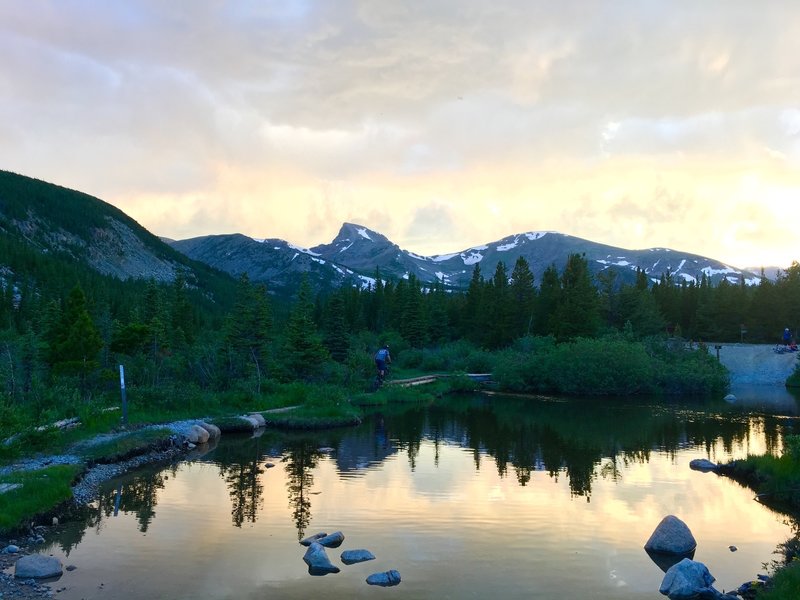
{"x":442,"y":124}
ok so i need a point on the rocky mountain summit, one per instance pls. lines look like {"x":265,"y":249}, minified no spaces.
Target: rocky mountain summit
{"x":357,"y":253}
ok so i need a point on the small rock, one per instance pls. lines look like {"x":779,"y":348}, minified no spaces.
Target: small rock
{"x":333,"y":540}
{"x":214,"y":432}
{"x":71,"y":567}
{"x":317,"y":560}
{"x":730,"y":398}
{"x":191,"y":446}
{"x":385,"y":579}
{"x":269,"y":465}
{"x":702,"y":464}
{"x":55,"y":521}
{"x":351,"y":557}
{"x":197,"y":435}
{"x":325,"y":449}
{"x":313,"y":538}
{"x":732,"y":548}
{"x":10,"y":549}
{"x":258,"y":418}
{"x":37,"y":566}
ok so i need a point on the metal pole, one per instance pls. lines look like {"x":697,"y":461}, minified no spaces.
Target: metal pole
{"x":124,"y":397}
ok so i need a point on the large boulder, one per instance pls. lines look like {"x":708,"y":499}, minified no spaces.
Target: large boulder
{"x":672,"y":536}
{"x":38,"y":566}
{"x":689,"y":580}
{"x":317,"y":560}
{"x":197,"y":435}
{"x":351,"y":557}
{"x":385,"y":579}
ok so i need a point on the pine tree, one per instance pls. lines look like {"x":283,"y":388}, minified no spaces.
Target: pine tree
{"x":336,"y":339}
{"x":577,"y":314}
{"x":304,"y":352}
{"x":547,"y":302}
{"x":523,"y":296}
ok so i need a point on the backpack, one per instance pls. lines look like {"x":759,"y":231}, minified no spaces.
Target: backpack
{"x":381,"y":354}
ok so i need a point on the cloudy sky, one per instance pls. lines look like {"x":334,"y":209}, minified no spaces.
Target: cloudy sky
{"x":442,"y":124}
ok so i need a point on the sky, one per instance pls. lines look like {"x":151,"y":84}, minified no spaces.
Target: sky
{"x":441,"y":124}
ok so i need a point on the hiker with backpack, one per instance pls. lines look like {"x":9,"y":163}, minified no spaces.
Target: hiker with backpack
{"x":382,"y":358}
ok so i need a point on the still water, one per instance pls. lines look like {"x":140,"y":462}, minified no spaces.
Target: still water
{"x":471,"y":497}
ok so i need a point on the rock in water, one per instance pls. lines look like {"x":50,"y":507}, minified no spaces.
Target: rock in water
{"x":333,"y":540}
{"x":197,"y":435}
{"x":258,"y":418}
{"x":313,"y":538}
{"x":688,"y":579}
{"x":351,"y":557}
{"x":702,"y":464}
{"x":37,"y":566}
{"x":213,"y":431}
{"x":672,"y":536}
{"x":317,"y":560}
{"x":385,"y":579}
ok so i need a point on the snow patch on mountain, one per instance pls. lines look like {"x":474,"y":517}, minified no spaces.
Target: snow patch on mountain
{"x":417,"y":256}
{"x":362,"y":231}
{"x":535,"y":235}
{"x":444,"y":257}
{"x":472,"y":258}
{"x":303,"y":250}
{"x":710,"y":271}
{"x":507,"y":247}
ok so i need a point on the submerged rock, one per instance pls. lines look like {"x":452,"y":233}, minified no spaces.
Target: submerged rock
{"x":671,"y":536}
{"x":703,"y":464}
{"x":351,"y":557}
{"x":385,"y":579}
{"x":317,"y":560}
{"x":730,"y":398}
{"x":37,"y":566}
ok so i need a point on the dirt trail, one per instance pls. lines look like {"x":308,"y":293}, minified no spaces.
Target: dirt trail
{"x":756,"y":364}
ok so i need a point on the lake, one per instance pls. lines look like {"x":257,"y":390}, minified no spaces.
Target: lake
{"x":471,"y":497}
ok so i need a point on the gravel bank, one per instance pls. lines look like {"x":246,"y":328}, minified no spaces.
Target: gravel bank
{"x":756,"y":364}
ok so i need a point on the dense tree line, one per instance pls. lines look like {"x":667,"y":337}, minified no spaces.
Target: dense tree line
{"x":61,"y":336}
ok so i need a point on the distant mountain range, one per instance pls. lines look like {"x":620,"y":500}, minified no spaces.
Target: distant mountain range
{"x":357,"y":251}
{"x":47,"y":218}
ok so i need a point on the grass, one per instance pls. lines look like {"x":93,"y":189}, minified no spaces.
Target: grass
{"x":785,"y":584}
{"x":316,"y":416}
{"x":124,"y":446}
{"x":41,"y":490}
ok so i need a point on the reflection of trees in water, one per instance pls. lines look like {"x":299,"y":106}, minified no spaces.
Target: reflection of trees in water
{"x":582,"y":439}
{"x":245,"y":490}
{"x":301,"y":458}
{"x":240,"y":467}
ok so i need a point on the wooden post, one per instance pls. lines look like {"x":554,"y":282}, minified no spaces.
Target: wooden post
{"x":124,"y":397}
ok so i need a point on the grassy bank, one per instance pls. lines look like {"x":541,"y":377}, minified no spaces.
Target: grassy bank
{"x":38,"y":492}
{"x":776,"y":480}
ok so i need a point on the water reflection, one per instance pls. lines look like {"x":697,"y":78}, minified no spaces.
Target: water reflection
{"x":580,"y":484}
